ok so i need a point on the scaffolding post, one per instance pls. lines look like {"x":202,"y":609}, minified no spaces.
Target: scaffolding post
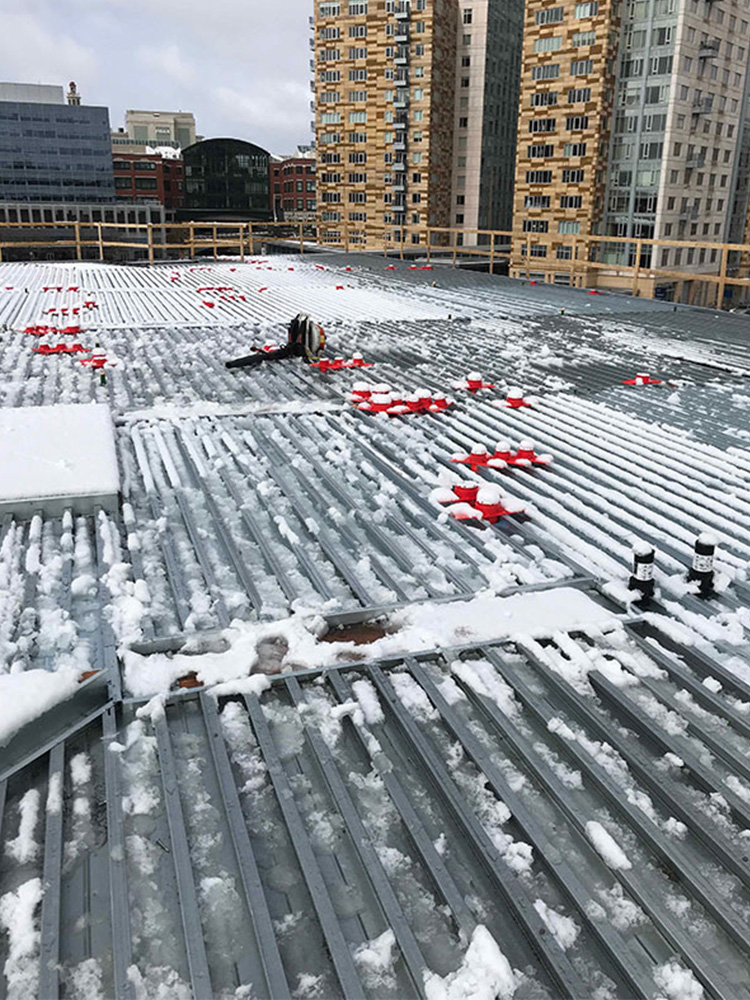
{"x":216,"y":254}
{"x":722,"y":277}
{"x":150,"y":243}
{"x":637,"y":269}
{"x":192,"y":241}
{"x":77,"y":227}
{"x":401,"y":241}
{"x":301,"y":238}
{"x":454,"y":240}
{"x":492,"y":252}
{"x":101,"y":241}
{"x":250,"y":237}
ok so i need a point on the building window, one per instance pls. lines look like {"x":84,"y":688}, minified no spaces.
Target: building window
{"x":419,"y":50}
{"x":580,"y":95}
{"x":357,"y":75}
{"x":459,"y":220}
{"x":535,"y":225}
{"x":570,"y":201}
{"x":463,"y":122}
{"x":549,"y":71}
{"x":330,"y":118}
{"x":358,"y":52}
{"x":357,"y":178}
{"x":329,"y":9}
{"x":357,"y":117}
{"x":330,"y":34}
{"x":330,"y":76}
{"x":576,"y":123}
{"x":538,"y":176}
{"x":358,"y":31}
{"x":541,"y":151}
{"x":569,"y":227}
{"x":356,"y":96}
{"x":544,"y":99}
{"x":416,"y":157}
{"x":542,"y":125}
{"x":536,"y":201}
{"x":581,"y":38}
{"x":553,"y":15}
{"x":330,"y":55}
{"x":467,"y":15}
{"x":329,"y":97}
{"x":574,"y":149}
{"x":581,"y":67}
{"x":357,"y":9}
{"x":590,"y":9}
{"x":550,"y":43}
{"x":564,"y":253}
{"x":539,"y":250}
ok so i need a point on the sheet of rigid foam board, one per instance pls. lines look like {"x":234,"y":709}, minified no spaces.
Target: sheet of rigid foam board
{"x":53,"y":457}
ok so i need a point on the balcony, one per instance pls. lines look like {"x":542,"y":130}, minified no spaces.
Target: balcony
{"x":399,"y":124}
{"x":398,"y":185}
{"x":401,"y":102}
{"x":401,"y":166}
{"x":695,"y":162}
{"x":708,"y":51}
{"x":312,"y":105}
{"x":702,"y":106}
{"x":402,"y":33}
{"x":311,"y":42}
{"x":402,"y":11}
{"x":399,"y":146}
{"x":402,"y":55}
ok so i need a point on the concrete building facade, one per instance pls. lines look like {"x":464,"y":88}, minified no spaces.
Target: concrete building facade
{"x":155,"y":128}
{"x":384,"y":86}
{"x":487,"y":71}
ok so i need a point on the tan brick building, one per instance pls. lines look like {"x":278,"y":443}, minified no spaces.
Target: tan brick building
{"x":567,"y":88}
{"x":384,"y":109}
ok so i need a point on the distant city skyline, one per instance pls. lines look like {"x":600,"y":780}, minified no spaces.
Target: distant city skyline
{"x":241,"y":68}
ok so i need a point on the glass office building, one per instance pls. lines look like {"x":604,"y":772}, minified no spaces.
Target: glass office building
{"x":55,"y":153}
{"x":226,"y":178}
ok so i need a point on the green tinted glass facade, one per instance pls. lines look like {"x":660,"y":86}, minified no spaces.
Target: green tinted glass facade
{"x":226,"y":178}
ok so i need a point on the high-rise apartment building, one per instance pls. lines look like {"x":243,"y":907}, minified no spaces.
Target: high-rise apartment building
{"x":630,"y":126}
{"x":416,"y":115}
{"x":384,"y":86}
{"x":488,"y":64}
{"x":567,"y":88}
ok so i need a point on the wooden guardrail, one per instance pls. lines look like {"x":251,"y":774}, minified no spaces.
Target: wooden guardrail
{"x":631,"y":264}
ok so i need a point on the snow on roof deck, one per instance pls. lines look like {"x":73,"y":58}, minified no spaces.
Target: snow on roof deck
{"x":524,"y":784}
{"x":53,"y":457}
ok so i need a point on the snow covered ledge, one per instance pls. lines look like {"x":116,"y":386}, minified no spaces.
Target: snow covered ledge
{"x":54,"y":457}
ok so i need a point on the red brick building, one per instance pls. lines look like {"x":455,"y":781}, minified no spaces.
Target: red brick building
{"x":145,"y":179}
{"x":292,"y":183}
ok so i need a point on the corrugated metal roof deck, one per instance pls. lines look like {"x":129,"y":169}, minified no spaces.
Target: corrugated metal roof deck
{"x":346,"y":831}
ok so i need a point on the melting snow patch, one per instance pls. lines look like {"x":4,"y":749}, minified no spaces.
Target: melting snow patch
{"x":374,"y":959}
{"x":607,"y":846}
{"x":17,"y":919}
{"x":484,"y":974}
{"x":564,"y":929}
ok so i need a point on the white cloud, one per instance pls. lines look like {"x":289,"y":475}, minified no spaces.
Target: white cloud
{"x":268,"y":106}
{"x":31,"y":53}
{"x":168,"y":59}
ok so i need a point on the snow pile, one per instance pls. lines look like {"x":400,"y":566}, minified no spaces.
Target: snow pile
{"x":418,"y":627}
{"x":484,"y":974}
{"x":17,"y":919}
{"x":24,"y":847}
{"x":677,"y":982}
{"x":607,"y":846}
{"x":57,"y":451}
{"x":27,"y":695}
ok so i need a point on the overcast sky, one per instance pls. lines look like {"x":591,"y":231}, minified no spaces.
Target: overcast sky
{"x":241,"y":66}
